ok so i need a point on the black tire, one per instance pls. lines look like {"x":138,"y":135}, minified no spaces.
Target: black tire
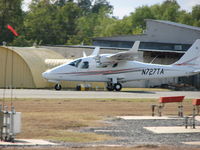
{"x":110,"y":87}
{"x":117,"y":87}
{"x":58,"y":87}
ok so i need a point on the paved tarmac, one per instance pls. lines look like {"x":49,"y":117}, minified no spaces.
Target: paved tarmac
{"x":47,"y":93}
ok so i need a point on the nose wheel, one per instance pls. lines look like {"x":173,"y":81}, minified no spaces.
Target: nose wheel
{"x":112,"y":87}
{"x":58,"y":87}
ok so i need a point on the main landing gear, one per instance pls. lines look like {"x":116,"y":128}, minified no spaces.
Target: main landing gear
{"x":58,"y":87}
{"x":115,"y":86}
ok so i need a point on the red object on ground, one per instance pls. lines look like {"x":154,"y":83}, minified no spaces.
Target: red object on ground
{"x":171,"y":99}
{"x":196,"y":102}
{"x":12,"y":30}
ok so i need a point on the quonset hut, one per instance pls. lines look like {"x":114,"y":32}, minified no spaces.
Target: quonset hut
{"x":22,"y":67}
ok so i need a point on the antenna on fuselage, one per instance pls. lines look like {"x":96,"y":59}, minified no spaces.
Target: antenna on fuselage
{"x":154,"y":59}
{"x":84,"y":54}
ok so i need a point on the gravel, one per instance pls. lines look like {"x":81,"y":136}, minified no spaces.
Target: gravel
{"x":132,"y":133}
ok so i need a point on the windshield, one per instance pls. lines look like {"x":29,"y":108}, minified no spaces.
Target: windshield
{"x":75,"y":63}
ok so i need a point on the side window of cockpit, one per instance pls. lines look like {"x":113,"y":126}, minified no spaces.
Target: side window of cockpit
{"x":78,"y":62}
{"x":115,"y":65}
{"x":85,"y":65}
{"x":75,"y":63}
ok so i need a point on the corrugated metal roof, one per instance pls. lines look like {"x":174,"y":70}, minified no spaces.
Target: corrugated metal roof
{"x":175,"y":24}
{"x":149,"y":38}
{"x":130,"y":38}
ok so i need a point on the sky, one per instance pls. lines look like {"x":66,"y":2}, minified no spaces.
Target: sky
{"x":125,"y":7}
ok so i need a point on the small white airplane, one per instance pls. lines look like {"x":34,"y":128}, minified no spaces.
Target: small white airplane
{"x":120,"y":67}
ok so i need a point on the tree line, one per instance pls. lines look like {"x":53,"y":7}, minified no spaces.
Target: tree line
{"x":58,"y":22}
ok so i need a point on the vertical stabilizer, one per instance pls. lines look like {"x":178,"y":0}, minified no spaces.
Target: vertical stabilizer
{"x":191,"y":57}
{"x":96,"y":51}
{"x":135,"y":47}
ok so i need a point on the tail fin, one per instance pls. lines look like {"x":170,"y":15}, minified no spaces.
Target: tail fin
{"x":95,"y":51}
{"x":135,"y":47}
{"x":191,"y":57}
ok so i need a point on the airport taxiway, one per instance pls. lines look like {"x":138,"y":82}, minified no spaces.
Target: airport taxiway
{"x":47,"y":93}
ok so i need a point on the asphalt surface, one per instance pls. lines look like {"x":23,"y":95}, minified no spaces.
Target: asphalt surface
{"x":45,"y":93}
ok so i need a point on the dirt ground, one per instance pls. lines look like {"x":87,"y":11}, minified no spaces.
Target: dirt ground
{"x":58,"y":120}
{"x":148,"y":147}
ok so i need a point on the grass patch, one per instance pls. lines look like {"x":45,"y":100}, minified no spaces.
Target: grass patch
{"x":61,"y":119}
{"x":67,"y":136}
{"x":84,"y":99}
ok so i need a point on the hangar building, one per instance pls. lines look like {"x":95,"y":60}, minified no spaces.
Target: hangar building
{"x":163,"y":42}
{"x":22,"y":67}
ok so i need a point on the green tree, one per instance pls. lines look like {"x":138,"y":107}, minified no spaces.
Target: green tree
{"x":40,"y":22}
{"x":10,"y":13}
{"x":92,"y":24}
{"x":196,"y":15}
{"x":51,"y":23}
{"x":85,"y":5}
{"x":139,"y":16}
{"x":102,"y":4}
{"x":170,"y":10}
{"x":185,"y":18}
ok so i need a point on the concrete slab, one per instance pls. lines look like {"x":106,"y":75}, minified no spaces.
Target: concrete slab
{"x":109,"y":131}
{"x":192,"y":143}
{"x":197,"y":118}
{"x":28,"y":142}
{"x":148,"y":117}
{"x":173,"y":129}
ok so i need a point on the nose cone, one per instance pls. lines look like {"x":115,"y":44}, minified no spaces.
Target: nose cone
{"x":45,"y":74}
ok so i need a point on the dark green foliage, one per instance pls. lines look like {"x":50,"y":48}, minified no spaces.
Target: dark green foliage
{"x":10,"y":13}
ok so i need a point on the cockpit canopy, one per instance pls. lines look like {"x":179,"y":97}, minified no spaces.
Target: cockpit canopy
{"x":77,"y":63}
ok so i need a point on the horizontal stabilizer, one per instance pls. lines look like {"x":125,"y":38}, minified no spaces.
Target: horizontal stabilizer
{"x":192,"y":56}
{"x":197,"y":71}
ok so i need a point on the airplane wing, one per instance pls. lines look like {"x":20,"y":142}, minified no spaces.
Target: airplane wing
{"x":197,"y":71}
{"x":122,"y":56}
{"x":125,"y":55}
